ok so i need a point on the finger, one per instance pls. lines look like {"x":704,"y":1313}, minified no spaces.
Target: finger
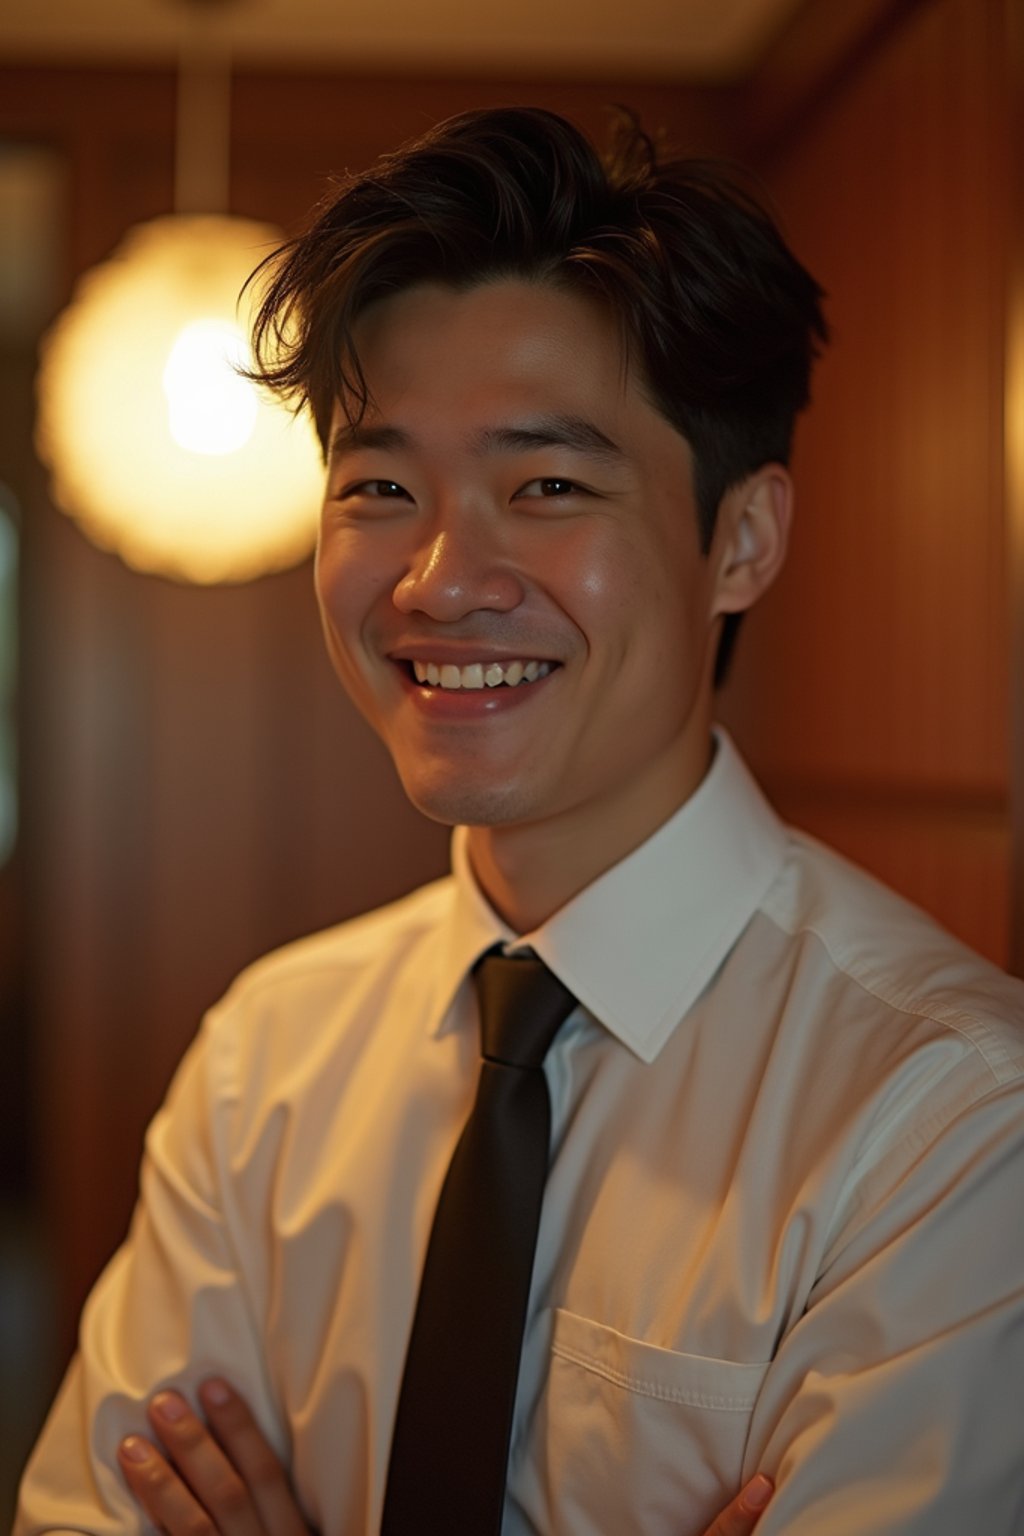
{"x":242,"y":1440}
{"x":740,"y":1517}
{"x":208,"y":1475}
{"x":160,"y":1491}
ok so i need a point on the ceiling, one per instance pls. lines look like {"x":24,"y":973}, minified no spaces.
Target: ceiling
{"x":702,"y":39}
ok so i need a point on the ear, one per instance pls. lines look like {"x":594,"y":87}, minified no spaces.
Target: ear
{"x":751,"y":537}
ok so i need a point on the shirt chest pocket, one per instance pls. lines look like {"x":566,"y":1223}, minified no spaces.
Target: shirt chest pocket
{"x":636,"y":1440}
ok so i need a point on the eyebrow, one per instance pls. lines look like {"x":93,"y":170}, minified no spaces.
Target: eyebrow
{"x":555,"y":431}
{"x":550,"y":431}
{"x":354,"y":435}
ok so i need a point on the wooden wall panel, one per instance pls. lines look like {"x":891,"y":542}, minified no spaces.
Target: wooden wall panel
{"x":877,"y":672}
{"x":1012,"y":140}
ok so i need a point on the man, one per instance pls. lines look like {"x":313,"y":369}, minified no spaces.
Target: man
{"x":780,"y":1229}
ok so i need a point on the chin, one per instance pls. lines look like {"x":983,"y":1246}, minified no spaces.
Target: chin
{"x":472,"y":805}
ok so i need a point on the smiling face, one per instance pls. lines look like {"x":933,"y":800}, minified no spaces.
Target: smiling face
{"x":509,"y":569}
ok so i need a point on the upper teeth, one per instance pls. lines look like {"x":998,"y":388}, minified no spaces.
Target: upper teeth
{"x":479,"y":674}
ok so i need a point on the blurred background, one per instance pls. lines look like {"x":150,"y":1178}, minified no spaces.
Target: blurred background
{"x":182,"y":784}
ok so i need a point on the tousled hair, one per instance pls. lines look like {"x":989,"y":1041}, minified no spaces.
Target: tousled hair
{"x":720,"y":319}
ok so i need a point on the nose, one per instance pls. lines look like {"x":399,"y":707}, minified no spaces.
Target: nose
{"x":455,"y":573}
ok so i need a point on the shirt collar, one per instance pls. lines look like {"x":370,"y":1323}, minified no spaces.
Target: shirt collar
{"x":639,"y":945}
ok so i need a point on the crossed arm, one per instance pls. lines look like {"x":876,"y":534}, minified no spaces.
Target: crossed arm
{"x":221,"y":1478}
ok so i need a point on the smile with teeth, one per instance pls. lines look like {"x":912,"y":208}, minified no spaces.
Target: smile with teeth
{"x":480,"y":674}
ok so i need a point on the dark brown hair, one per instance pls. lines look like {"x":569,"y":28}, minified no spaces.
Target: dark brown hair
{"x":722,"y":320}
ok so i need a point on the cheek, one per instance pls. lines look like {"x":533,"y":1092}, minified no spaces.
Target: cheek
{"x":595,"y":577}
{"x":349,"y":583}
{"x":634,"y":595}
{"x":343,"y":596}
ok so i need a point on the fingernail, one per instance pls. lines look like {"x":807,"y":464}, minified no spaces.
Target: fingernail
{"x":757,"y":1492}
{"x":215,"y":1393}
{"x":135,"y":1449}
{"x":170,"y":1406}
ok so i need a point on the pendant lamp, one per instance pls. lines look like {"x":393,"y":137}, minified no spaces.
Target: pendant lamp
{"x":156,"y":446}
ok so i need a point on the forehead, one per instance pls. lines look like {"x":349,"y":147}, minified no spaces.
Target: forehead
{"x":512,"y":301}
{"x":507,"y":340}
{"x":449,"y":367}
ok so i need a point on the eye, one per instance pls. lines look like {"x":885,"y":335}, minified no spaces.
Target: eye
{"x":382,"y":489}
{"x":551,"y":486}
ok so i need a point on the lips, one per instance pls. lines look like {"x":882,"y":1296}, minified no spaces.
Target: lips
{"x":478,"y":674}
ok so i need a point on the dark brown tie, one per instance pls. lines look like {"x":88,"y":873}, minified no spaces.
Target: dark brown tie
{"x":449,"y":1453}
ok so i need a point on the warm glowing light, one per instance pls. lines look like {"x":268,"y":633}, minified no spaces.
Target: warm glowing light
{"x":156,"y":446}
{"x":210,"y":408}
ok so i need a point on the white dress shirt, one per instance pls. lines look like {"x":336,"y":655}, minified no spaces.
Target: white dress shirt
{"x":782,"y":1228}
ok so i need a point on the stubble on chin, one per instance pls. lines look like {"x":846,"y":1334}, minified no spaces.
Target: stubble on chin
{"x":469,"y":804}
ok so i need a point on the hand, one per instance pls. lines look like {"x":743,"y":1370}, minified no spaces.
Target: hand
{"x":223,"y":1479}
{"x":746,"y":1509}
{"x":220,"y":1478}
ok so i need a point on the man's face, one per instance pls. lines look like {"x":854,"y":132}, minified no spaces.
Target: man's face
{"x":512,"y":507}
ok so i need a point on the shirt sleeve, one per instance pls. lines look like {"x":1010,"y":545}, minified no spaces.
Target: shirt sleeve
{"x":895,"y":1404}
{"x":173,"y":1307}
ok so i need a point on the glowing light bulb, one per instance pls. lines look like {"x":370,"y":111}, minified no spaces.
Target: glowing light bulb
{"x":145,"y":349}
{"x":210,"y":409}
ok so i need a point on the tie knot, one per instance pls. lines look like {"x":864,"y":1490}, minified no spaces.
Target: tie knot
{"x":522,"y":1006}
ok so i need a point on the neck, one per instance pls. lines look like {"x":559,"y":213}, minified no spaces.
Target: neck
{"x":529,"y":871}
